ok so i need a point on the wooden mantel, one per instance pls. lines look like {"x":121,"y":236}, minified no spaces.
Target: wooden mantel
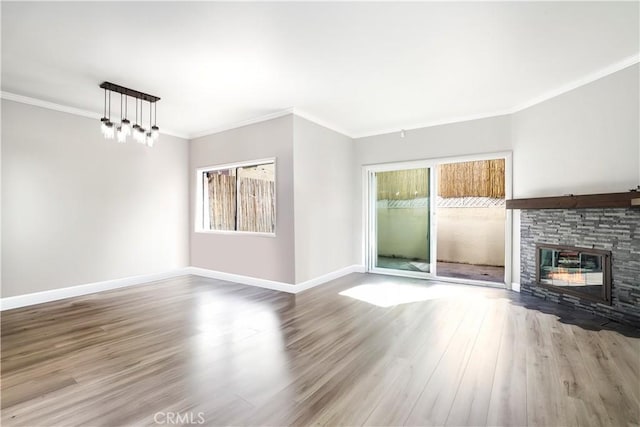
{"x":609,"y":200}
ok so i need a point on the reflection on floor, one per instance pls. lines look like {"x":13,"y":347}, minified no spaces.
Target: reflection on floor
{"x":363,"y":349}
{"x":486,"y":273}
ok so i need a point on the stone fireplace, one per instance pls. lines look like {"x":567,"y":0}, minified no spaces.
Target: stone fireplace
{"x":586,"y":258}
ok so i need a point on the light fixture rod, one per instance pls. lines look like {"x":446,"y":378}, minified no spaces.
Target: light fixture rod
{"x":129,"y":92}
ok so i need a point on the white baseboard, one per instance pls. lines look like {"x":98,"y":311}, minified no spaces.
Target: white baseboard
{"x":308,"y":284}
{"x":89,"y":288}
{"x":243,"y":280}
{"x":515,"y":287}
{"x":274,"y":285}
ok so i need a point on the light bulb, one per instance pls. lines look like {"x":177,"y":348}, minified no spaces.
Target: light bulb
{"x":134,"y":131}
{"x":122,"y":137}
{"x":109,"y":131}
{"x":140,"y":135}
{"x":149,"y":139}
{"x":103,"y":125}
{"x":155,"y":132}
{"x":126,"y":127}
{"x":140,"y":138}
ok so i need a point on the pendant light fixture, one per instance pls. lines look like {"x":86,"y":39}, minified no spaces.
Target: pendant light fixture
{"x":124,"y":129}
{"x":136,"y":125}
{"x":125,"y":124}
{"x":107,"y":127}
{"x":120,"y":133}
{"x":140,"y":134}
{"x":149,"y":139}
{"x":155,"y":130}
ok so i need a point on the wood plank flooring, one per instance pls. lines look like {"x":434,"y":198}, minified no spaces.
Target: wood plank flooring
{"x":238,"y":355}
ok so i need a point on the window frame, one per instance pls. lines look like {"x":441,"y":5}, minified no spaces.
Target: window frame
{"x":200,"y":196}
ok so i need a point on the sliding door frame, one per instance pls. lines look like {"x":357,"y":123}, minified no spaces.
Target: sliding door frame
{"x":371,"y":217}
{"x":370,"y":226}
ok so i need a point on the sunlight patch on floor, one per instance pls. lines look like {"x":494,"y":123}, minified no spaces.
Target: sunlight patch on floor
{"x":390,"y":294}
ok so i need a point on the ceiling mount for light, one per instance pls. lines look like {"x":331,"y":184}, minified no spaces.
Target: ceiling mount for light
{"x":124,"y":129}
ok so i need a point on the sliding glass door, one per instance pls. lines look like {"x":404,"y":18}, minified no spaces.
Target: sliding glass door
{"x":440,"y":218}
{"x":402,"y":221}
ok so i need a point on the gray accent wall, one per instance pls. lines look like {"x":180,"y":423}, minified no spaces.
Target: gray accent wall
{"x":263,"y":257}
{"x":323,"y":192}
{"x":78,"y":209}
{"x":615,"y":230}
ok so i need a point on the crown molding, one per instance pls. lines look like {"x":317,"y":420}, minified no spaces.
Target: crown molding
{"x":292,"y":110}
{"x":9,"y":96}
{"x":589,"y":78}
{"x":313,"y":119}
{"x":242,"y":123}
{"x":583,"y":81}
{"x":420,"y":125}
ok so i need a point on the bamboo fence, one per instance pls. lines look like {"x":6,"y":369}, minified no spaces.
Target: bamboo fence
{"x":222,"y":202}
{"x":468,"y":179}
{"x":257,"y":205}
{"x":472,"y":179}
{"x":255,"y":201}
{"x":403,"y":184}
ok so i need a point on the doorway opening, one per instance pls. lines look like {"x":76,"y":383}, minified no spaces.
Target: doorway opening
{"x":471,"y":220}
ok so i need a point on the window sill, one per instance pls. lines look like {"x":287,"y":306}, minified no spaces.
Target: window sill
{"x":236,"y":233}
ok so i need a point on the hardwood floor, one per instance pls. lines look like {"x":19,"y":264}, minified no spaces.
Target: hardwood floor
{"x":228,"y":354}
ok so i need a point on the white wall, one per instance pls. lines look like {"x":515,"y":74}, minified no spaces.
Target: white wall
{"x":584,"y":141}
{"x":457,"y":139}
{"x":271,"y":258}
{"x":78,"y":209}
{"x":471,"y":235}
{"x":323,"y":192}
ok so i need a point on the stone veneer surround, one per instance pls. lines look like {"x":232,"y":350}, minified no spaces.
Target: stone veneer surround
{"x":612,"y":229}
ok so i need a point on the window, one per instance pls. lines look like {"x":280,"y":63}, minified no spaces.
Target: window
{"x":240,"y":197}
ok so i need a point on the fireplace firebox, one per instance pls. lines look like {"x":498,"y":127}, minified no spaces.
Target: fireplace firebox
{"x":580,"y":272}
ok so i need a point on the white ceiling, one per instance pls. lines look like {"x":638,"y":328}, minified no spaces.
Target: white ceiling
{"x":361,"y":68}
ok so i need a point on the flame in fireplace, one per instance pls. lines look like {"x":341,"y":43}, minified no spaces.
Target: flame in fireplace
{"x":563,"y":274}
